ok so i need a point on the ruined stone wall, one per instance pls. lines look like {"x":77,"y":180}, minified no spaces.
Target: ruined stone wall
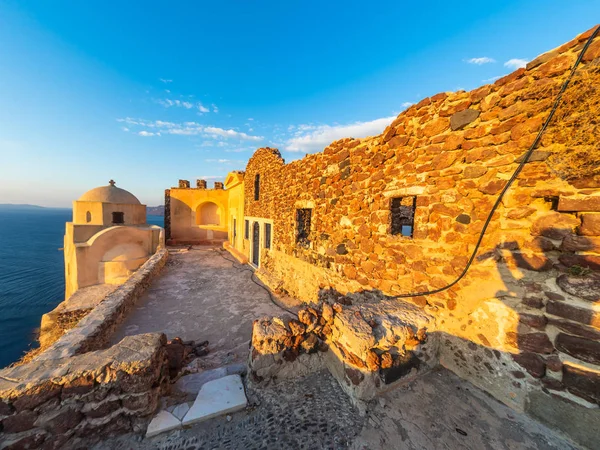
{"x":69,"y":402}
{"x":510,"y":326}
{"x":268,"y":163}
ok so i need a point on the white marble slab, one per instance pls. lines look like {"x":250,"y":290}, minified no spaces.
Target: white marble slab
{"x":161,"y":423}
{"x":180,"y":411}
{"x":217,"y":397}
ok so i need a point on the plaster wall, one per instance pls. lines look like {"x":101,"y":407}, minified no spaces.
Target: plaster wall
{"x":193,"y":217}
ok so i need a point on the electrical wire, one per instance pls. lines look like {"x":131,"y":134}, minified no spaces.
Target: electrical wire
{"x":525,"y":159}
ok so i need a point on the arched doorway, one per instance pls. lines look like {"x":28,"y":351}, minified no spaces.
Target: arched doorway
{"x":256,"y":244}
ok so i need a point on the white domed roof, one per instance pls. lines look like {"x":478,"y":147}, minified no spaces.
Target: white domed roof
{"x":109,"y":194}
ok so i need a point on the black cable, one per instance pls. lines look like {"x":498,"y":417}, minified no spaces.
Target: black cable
{"x":235,"y":265}
{"x":512,"y":178}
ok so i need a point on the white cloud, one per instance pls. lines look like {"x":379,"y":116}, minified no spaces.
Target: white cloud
{"x":491,"y":80}
{"x":224,"y":161}
{"x":202,"y":108}
{"x":215,"y":108}
{"x":310,"y":138}
{"x":186,"y":129}
{"x":167,"y":103}
{"x":211,"y":177}
{"x":165,"y":80}
{"x":231,"y":133}
{"x":515,"y":63}
{"x":482,"y":60}
{"x":407,"y":104}
{"x":124,"y":128}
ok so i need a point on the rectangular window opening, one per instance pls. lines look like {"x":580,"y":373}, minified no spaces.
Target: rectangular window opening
{"x":118,"y":217}
{"x":303,"y":217}
{"x":403,"y":216}
{"x":247,"y":229}
{"x":267,"y":235}
{"x":257,"y":187}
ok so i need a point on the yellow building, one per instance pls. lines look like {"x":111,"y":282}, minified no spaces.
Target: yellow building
{"x":206,"y":216}
{"x":108,"y":239}
{"x":234,"y":183}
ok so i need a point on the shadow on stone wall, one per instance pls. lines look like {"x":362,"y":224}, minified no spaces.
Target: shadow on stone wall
{"x":545,"y":329}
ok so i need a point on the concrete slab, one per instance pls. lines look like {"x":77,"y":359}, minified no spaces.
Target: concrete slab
{"x":161,"y":423}
{"x":217,"y":397}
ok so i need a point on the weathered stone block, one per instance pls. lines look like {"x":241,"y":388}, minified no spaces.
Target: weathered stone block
{"x":582,"y":260}
{"x":463,"y":118}
{"x":531,"y":342}
{"x":579,"y":204}
{"x":585,"y":287}
{"x":554,"y":225}
{"x":533,"y":363}
{"x":584,"y":316}
{"x":59,"y":421}
{"x":582,"y":382}
{"x":580,"y":348}
{"x":590,"y":225}
{"x":32,"y":439}
{"x":573,"y":243}
{"x":19,"y":422}
{"x":576,"y":329}
{"x":36,"y":396}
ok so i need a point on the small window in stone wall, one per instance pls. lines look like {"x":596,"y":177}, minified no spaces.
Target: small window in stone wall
{"x":88,"y":217}
{"x":403,"y":216}
{"x":257,"y":186}
{"x":303,"y":216}
{"x":118,"y":217}
{"x":247,"y":229}
{"x":267,"y":235}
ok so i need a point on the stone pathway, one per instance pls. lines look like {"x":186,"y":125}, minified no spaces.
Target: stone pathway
{"x":201,"y":296}
{"x":436,"y":411}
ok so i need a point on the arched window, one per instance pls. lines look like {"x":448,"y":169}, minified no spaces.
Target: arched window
{"x":88,"y":217}
{"x":257,"y":186}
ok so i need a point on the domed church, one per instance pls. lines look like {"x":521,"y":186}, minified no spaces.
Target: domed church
{"x":108,"y":239}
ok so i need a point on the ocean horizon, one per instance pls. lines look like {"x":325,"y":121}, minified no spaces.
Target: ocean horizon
{"x":31,"y":274}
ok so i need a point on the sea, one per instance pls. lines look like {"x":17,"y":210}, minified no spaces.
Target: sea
{"x":31,"y":274}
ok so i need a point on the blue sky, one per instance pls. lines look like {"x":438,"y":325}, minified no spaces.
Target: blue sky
{"x":150,"y":92}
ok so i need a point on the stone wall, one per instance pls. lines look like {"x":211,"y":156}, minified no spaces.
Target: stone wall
{"x":368,"y":344}
{"x":511,"y":326}
{"x":70,"y":402}
{"x":74,"y":389}
{"x":95,"y":330}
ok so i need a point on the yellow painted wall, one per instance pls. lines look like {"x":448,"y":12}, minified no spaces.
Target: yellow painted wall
{"x":235,"y":187}
{"x":193,"y":218}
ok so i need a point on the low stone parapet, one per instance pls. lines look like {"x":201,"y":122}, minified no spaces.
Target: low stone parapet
{"x":95,"y":330}
{"x":56,"y":403}
{"x":368,"y":347}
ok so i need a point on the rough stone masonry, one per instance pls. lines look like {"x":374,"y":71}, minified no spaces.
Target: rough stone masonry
{"x":524,"y":324}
